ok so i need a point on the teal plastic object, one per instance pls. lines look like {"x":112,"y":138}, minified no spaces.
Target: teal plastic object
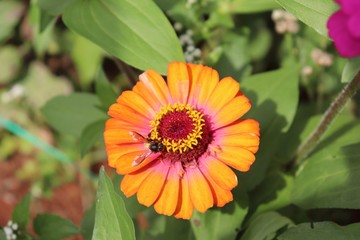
{"x":24,"y":134}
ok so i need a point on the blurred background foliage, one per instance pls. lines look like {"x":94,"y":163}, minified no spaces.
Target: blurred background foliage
{"x":62,"y":63}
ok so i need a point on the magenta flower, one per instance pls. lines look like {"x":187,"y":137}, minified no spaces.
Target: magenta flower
{"x":344,"y":28}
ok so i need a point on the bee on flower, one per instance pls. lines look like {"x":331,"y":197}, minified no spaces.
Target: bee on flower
{"x":194,"y":138}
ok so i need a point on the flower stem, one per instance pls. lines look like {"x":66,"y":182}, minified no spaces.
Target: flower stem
{"x":335,"y":108}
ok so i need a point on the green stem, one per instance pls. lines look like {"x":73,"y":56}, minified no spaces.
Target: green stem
{"x":335,"y":108}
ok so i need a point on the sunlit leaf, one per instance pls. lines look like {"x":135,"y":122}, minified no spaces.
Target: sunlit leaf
{"x":313,"y":13}
{"x":71,"y":114}
{"x":137,"y":32}
{"x":275,"y":97}
{"x":111,"y":219}
{"x":10,"y":63}
{"x":330,"y":177}
{"x":87,"y":58}
{"x":52,"y":227}
{"x":248,"y":6}
{"x":322,"y":230}
{"x":10,"y":13}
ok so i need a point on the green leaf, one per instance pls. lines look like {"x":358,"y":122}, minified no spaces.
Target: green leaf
{"x":247,"y":6}
{"x":274,"y":193}
{"x":10,"y":14}
{"x":10,"y":63}
{"x":21,"y":213}
{"x":275,"y":97}
{"x":45,"y":20}
{"x":87,"y":57}
{"x":313,"y":13}
{"x":54,"y":7}
{"x":330,"y":177}
{"x":41,"y":85}
{"x":137,"y":32}
{"x":111,"y":219}
{"x":72,"y":114}
{"x":88,"y":222}
{"x":92,"y":134}
{"x":351,"y":68}
{"x":266,"y":226}
{"x":104,"y":91}
{"x":322,"y":230}
{"x":2,"y":235}
{"x":221,"y":223}
{"x":52,"y":227}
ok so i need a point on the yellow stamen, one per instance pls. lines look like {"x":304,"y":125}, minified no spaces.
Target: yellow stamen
{"x":190,"y":140}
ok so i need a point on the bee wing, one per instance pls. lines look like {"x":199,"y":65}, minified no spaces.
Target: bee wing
{"x":137,"y":137}
{"x":139,"y":159}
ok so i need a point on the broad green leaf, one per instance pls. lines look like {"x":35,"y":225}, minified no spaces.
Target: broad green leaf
{"x":21,"y":213}
{"x":87,"y":58}
{"x":330,"y":177}
{"x":45,"y":20}
{"x":137,"y":32}
{"x":52,"y":227}
{"x":88,"y":222}
{"x":111,"y":219}
{"x":104,"y":91}
{"x":247,"y":6}
{"x":221,"y":223}
{"x":41,"y":85}
{"x":266,"y":226}
{"x":275,"y":97}
{"x":313,"y":13}
{"x":351,"y":68}
{"x":92,"y":134}
{"x":54,"y":7}
{"x":10,"y":63}
{"x":322,"y":230}
{"x":10,"y":14}
{"x":274,"y":193}
{"x":71,"y":114}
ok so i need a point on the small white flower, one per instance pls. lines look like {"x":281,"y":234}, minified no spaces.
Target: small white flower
{"x":178,"y":26}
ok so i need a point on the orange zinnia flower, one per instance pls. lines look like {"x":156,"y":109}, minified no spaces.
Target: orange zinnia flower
{"x":175,"y":141}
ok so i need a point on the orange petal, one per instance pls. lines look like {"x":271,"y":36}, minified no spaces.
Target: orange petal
{"x":136,"y":102}
{"x":168,"y":200}
{"x":220,"y":195}
{"x":236,"y":157}
{"x":129,"y":115}
{"x":203,"y":86}
{"x":131,"y":182}
{"x":240,"y":126}
{"x":200,"y":192}
{"x":193,"y":70}
{"x":155,"y":84}
{"x":219,"y":172}
{"x":115,"y":151}
{"x":178,"y":80}
{"x":225,"y":90}
{"x":141,"y":89}
{"x":248,"y":141}
{"x":232,"y":111}
{"x":151,"y":187}
{"x":184,"y":209}
{"x":125,"y":163}
{"x":117,"y":136}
